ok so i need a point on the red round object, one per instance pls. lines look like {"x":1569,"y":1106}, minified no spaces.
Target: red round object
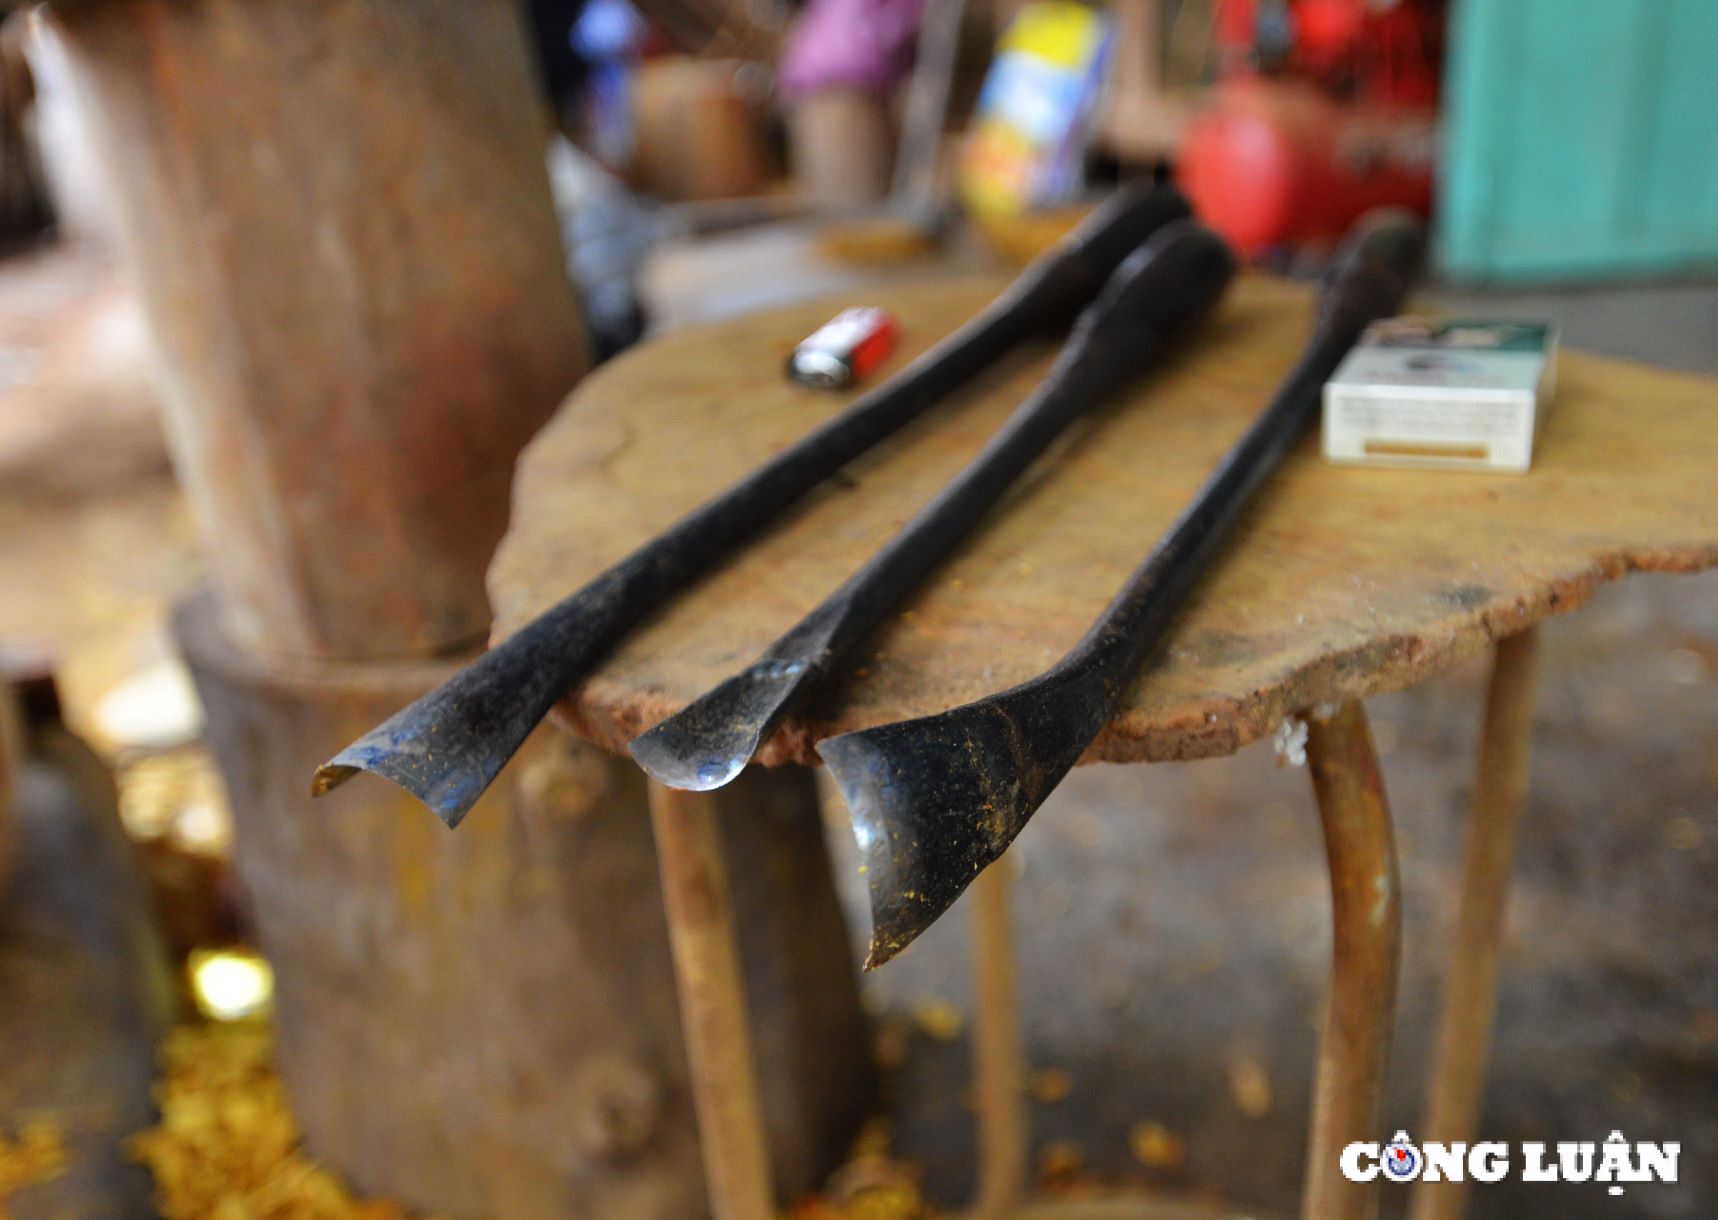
{"x":1328,"y":28}
{"x":1271,"y":163}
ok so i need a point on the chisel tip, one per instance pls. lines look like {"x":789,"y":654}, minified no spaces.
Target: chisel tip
{"x":669,"y":758}
{"x":449,"y":796}
{"x":709,"y":742}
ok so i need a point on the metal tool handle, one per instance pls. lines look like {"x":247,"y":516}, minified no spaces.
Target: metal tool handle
{"x":1162,"y":288}
{"x":1061,"y":283}
{"x":1371,"y":273}
{"x":1368,"y":279}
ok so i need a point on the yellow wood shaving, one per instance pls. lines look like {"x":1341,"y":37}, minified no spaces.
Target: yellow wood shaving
{"x":36,"y":1154}
{"x":227,"y":1147}
{"x":938,"y":1020}
{"x":1051,"y":1085}
{"x":1156,"y":1146}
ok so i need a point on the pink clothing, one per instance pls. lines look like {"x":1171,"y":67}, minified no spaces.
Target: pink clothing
{"x":859,"y":44}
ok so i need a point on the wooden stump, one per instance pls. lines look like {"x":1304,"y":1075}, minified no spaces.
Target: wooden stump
{"x":339,"y":221}
{"x":483,"y":1022}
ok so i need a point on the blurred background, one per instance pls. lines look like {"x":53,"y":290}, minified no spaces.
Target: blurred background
{"x":202,"y":209}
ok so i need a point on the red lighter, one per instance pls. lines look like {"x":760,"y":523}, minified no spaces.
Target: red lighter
{"x":844,"y":350}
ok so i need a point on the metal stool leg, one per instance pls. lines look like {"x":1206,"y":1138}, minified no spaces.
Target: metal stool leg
{"x":1464,"y":1037}
{"x":1367,"y":918}
{"x":712,"y":1004}
{"x":997,"y":1050}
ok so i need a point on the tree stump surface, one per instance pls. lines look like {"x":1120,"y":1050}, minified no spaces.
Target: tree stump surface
{"x":1341,"y":582}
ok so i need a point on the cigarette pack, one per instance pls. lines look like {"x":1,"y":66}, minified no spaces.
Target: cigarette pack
{"x":1457,"y":394}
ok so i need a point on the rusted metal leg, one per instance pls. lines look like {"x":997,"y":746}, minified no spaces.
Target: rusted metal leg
{"x":1367,"y":917}
{"x":1464,"y":1037}
{"x":712,"y":1004}
{"x":1000,"y":1058}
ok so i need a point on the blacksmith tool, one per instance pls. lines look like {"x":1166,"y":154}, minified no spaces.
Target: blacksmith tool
{"x":448,"y":746}
{"x":1160,"y":291}
{"x":935,"y":800}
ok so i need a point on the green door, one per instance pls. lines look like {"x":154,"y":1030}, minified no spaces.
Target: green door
{"x":1580,"y":138}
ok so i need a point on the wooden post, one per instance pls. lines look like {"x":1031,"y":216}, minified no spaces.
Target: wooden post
{"x":1367,"y":921}
{"x":1000,"y":1057}
{"x":713,"y":1001}
{"x":1470,"y":990}
{"x":338,"y":218}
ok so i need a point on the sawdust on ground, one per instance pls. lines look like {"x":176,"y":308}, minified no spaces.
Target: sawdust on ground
{"x":227,"y":1147}
{"x":35,"y":1154}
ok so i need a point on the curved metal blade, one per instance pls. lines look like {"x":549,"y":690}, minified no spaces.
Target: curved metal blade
{"x":709,"y":742}
{"x":934,"y":801}
{"x":448,"y":746}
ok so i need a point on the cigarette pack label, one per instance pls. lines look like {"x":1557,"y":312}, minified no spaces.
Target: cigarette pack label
{"x":1452,"y":393}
